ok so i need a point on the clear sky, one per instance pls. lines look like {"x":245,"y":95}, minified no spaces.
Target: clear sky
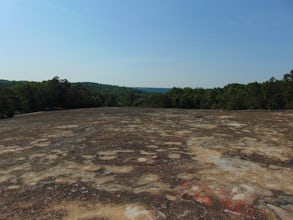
{"x":151,"y":43}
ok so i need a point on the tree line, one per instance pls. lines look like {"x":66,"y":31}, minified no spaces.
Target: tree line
{"x":54,"y":94}
{"x":271,"y":95}
{"x":23,"y":97}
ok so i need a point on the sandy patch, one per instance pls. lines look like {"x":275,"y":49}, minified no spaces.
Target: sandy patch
{"x":67,"y":126}
{"x":13,"y":187}
{"x":153,"y":188}
{"x":51,"y":157}
{"x":5,"y":178}
{"x":86,"y":211}
{"x":171,"y":197}
{"x":152,"y":146}
{"x":183,"y":132}
{"x":107,"y":155}
{"x":174,"y":156}
{"x":119,"y":169}
{"x":66,"y":172}
{"x":147,"y":153}
{"x":148,"y":178}
{"x":149,"y":159}
{"x":173,"y":143}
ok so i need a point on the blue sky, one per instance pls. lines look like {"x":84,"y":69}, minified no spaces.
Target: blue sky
{"x":153,"y":43}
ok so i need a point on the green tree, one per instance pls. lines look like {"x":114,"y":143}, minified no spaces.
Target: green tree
{"x":288,"y":90}
{"x":8,"y":103}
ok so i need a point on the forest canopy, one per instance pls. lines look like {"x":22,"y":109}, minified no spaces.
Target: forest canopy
{"x":23,"y":96}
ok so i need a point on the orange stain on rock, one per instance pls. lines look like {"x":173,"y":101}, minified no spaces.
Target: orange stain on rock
{"x":206,"y":194}
{"x":203,"y":199}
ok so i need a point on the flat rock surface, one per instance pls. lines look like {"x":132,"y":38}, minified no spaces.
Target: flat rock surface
{"x":136,"y":163}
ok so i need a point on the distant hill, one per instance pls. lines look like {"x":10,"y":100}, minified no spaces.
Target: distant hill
{"x":6,"y":83}
{"x":153,"y":90}
{"x":101,"y":88}
{"x":93,"y":87}
{"x":3,"y":81}
{"x":107,"y":89}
